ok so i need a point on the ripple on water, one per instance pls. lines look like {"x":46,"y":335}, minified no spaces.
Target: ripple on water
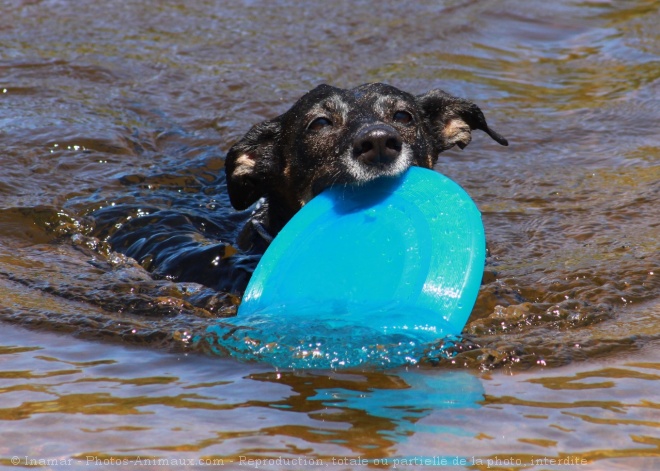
{"x":114,"y":120}
{"x":124,"y":117}
{"x":556,"y":274}
{"x":127,"y":402}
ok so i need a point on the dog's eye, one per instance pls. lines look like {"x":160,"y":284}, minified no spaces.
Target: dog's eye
{"x":319,"y":123}
{"x":402,"y":117}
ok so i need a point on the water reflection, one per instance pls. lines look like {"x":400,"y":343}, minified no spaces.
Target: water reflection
{"x":80,"y":402}
{"x":378,"y":407}
{"x":113,"y":400}
{"x":415,"y":395}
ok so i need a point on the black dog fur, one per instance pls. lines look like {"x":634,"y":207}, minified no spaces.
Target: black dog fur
{"x":333,"y":136}
{"x":330,"y":136}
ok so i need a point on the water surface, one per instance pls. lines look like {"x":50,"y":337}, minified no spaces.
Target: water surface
{"x":113,"y":111}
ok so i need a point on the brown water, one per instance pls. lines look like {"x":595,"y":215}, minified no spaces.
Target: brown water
{"x":131,"y":105}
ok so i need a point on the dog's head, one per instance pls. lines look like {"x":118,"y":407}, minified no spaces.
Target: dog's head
{"x":334,"y":136}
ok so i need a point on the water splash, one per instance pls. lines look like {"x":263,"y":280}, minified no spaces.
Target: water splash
{"x":317,"y":343}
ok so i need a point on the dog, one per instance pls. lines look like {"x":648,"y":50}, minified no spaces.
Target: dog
{"x":332,"y":136}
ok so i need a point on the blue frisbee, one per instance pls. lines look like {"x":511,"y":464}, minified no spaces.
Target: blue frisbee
{"x":396,"y":255}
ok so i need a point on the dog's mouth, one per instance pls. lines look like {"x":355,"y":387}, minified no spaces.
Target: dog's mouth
{"x":357,"y":171}
{"x":376,"y":151}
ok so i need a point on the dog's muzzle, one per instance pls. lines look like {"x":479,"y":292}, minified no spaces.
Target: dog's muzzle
{"x":379,"y":146}
{"x":377,"y":151}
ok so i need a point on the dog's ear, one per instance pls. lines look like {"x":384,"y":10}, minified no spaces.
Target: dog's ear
{"x":452,"y":119}
{"x":251,"y":163}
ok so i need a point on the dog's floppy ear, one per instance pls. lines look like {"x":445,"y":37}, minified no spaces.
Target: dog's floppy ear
{"x":250,"y":164}
{"x":453,"y":119}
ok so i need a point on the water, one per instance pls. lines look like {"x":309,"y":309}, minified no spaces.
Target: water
{"x":110,"y":111}
{"x":69,"y":400}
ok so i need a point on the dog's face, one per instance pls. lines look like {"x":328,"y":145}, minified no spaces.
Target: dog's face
{"x":333,"y":136}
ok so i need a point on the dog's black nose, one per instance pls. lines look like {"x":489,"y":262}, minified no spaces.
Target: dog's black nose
{"x":377,"y":145}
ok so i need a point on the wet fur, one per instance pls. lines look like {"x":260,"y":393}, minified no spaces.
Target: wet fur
{"x":284,"y":162}
{"x":330,"y":136}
